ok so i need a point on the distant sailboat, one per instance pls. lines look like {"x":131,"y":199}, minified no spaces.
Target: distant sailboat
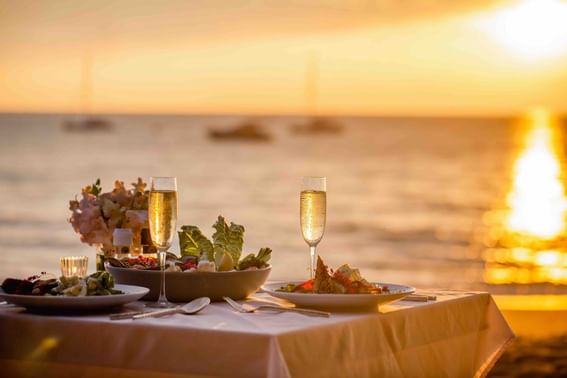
{"x":314,"y":124}
{"x":246,"y":130}
{"x":85,"y":121}
{"x":318,"y":125}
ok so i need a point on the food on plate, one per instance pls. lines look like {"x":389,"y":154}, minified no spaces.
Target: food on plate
{"x":206,"y":266}
{"x":225,"y":248}
{"x":255,"y":261}
{"x":344,"y":280}
{"x":199,"y":254}
{"x":33,"y":285}
{"x":139,"y":262}
{"x":99,"y":283}
{"x":224,"y":261}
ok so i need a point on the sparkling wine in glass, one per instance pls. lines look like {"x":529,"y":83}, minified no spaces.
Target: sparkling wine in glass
{"x":162,"y":218}
{"x":313,"y":213}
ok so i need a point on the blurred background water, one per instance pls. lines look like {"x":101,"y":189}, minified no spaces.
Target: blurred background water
{"x":423,"y":201}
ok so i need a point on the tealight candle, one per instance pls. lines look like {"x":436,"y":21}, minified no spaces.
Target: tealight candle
{"x":122,"y":240}
{"x":74,"y":266}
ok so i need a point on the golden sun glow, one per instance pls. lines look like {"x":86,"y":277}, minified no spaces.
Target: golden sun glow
{"x":442,"y":62}
{"x":528,"y":243}
{"x":532,"y":28}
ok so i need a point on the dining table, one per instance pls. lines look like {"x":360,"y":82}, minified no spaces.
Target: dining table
{"x":458,"y":334}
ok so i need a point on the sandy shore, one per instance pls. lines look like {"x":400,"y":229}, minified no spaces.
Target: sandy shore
{"x":533,"y":357}
{"x":540,"y":324}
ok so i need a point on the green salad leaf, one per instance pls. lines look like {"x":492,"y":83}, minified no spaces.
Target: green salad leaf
{"x":228,"y":239}
{"x":225,"y":248}
{"x":193,"y":242}
{"x":259,"y":261}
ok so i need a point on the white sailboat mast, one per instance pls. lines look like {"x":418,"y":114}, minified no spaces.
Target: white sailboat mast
{"x":312,"y":85}
{"x":86,"y":84}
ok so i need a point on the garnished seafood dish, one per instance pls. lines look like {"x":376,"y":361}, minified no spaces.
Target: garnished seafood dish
{"x":343,"y":280}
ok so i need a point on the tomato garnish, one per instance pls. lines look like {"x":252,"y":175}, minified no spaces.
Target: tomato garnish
{"x":307,"y":286}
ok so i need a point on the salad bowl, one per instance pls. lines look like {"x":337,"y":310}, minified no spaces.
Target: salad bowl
{"x":185,"y":286}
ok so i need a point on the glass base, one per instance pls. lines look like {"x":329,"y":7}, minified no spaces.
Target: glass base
{"x":160,"y":304}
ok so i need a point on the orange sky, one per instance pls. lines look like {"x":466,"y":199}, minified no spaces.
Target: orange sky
{"x":245,"y":56}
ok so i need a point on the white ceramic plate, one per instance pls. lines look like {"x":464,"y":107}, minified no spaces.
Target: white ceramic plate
{"x":131,"y":294}
{"x":340,"y":301}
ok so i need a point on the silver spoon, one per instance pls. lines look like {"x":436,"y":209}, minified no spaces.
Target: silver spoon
{"x":192,"y":307}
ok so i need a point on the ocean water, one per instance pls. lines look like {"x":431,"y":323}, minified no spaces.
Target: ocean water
{"x":406,"y":196}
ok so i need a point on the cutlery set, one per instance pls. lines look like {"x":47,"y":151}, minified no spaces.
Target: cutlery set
{"x":190,"y":308}
{"x":246,"y":308}
{"x":198,"y":304}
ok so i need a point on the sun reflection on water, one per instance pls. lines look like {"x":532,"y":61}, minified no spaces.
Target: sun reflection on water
{"x":537,"y":200}
{"x":527,"y":241}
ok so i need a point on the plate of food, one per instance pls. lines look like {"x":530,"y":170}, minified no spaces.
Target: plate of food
{"x":45,"y":291}
{"x":206,"y":268}
{"x":343,"y":288}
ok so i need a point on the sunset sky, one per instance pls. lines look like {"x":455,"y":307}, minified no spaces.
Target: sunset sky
{"x":414,"y":57}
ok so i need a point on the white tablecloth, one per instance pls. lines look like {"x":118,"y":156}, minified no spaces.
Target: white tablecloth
{"x":459,"y":335}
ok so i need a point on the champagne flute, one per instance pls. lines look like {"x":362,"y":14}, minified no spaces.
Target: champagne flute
{"x":313,"y":213}
{"x":162,"y":218}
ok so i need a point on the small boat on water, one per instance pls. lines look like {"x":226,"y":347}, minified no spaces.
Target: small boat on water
{"x":246,"y":131}
{"x":318,"y":125}
{"x":314,"y":124}
{"x":90,"y":124}
{"x":85,"y":121}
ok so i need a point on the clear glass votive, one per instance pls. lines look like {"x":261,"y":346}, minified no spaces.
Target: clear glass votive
{"x":74,"y":266}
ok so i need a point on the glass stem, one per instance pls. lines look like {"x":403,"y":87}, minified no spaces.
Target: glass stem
{"x":161,"y":256}
{"x":313,"y":252}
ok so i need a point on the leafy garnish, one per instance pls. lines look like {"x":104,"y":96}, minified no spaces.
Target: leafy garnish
{"x":228,"y":239}
{"x":224,"y":250}
{"x":258,"y":261}
{"x":94,"y":189}
{"x":193,"y":242}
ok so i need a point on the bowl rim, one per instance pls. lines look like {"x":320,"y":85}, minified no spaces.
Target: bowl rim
{"x":230,"y":272}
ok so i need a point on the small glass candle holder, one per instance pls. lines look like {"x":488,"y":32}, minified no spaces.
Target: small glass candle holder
{"x":74,"y":266}
{"x":122,"y":241}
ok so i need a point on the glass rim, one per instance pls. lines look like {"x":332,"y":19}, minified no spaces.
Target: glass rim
{"x":161,"y":183}
{"x":72,"y":258}
{"x":318,"y":183}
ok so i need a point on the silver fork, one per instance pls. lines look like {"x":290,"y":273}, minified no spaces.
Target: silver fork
{"x":246,"y":308}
